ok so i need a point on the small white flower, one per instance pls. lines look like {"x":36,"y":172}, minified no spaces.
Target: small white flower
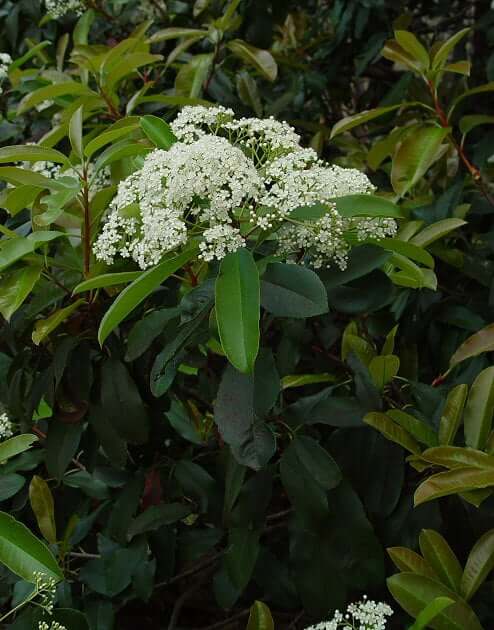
{"x":364,"y":615}
{"x":6,"y":426}
{"x":54,"y":625}
{"x":59,"y":8}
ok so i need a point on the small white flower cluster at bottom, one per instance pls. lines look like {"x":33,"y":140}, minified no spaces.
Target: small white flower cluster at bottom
{"x":5,"y":61}
{"x":54,"y":625}
{"x":6,"y":426}
{"x":364,"y":615}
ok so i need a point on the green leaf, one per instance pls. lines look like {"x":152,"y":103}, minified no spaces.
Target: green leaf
{"x":413,"y":47}
{"x":251,"y":441}
{"x":439,"y":555}
{"x":43,"y":327}
{"x":392,"y":431}
{"x":456,"y":481}
{"x":481,"y":89}
{"x":122,"y":403}
{"x":50,"y":92}
{"x":364,"y":205}
{"x":418,"y":429}
{"x":139,"y":290}
{"x":414,"y":592}
{"x":24,"y":177}
{"x":362,"y":260}
{"x":107,"y":280}
{"x":458,"y":456}
{"x":467,"y":123}
{"x":409,"y":561}
{"x":260,"y":617}
{"x":479,"y":409}
{"x":446,"y":48}
{"x":156,"y":516}
{"x":75,"y":131}
{"x":243,"y":549}
{"x":436,"y":231}
{"x":292,"y":291}
{"x":415,"y":155}
{"x":414,"y":252}
{"x":119,"y":130}
{"x":15,"y":288}
{"x":460,"y":67}
{"x":262,"y":60}
{"x":430,"y":612}
{"x":237,"y":308}
{"x":359,"y":119}
{"x":481,"y":341}
{"x":43,"y":507}
{"x":61,"y":446}
{"x":23,"y":553}
{"x":191,"y":77}
{"x":16,"y":445}
{"x":480,"y":563}
{"x":452,"y":414}
{"x":300,"y":380}
{"x":166,"y":34}
{"x":31,"y":153}
{"x":158,"y":131}
{"x":383,"y":369}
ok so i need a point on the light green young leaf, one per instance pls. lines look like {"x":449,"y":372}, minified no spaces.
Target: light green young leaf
{"x":480,"y":563}
{"x":42,"y":504}
{"x":43,"y":327}
{"x":436,"y":231}
{"x":447,"y":47}
{"x":16,"y":445}
{"x":261,"y":60}
{"x":15,"y":288}
{"x":479,"y":410}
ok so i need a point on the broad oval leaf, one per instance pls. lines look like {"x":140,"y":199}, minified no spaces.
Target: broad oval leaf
{"x":413,"y":47}
{"x":409,"y":561}
{"x":447,"y":47}
{"x":359,"y":119}
{"x":392,"y":431}
{"x":139,"y":290}
{"x":383,"y":369}
{"x":363,"y":205}
{"x":237,"y":302}
{"x":292,"y":291}
{"x":158,"y":131}
{"x":23,"y":553}
{"x":414,"y":592}
{"x":16,"y":287}
{"x":31,"y":153}
{"x":43,"y":327}
{"x":458,"y":456}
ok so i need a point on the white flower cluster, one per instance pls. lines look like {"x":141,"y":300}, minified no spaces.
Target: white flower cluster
{"x":6,"y":426}
{"x":59,"y":8}
{"x":5,"y":61}
{"x":226,"y":178}
{"x":364,"y":615}
{"x":54,"y":625}
{"x":45,"y":588}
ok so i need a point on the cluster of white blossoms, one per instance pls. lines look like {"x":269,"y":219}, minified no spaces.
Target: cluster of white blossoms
{"x":45,"y":589}
{"x":59,"y":8}
{"x":5,"y":61}
{"x":6,"y":426}
{"x":54,"y":625}
{"x":226,"y":179}
{"x":364,"y":615}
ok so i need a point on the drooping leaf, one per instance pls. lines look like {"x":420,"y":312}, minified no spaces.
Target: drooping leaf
{"x":392,"y":431}
{"x":16,"y":287}
{"x":107,"y":280}
{"x":261,"y":60}
{"x":481,"y":341}
{"x":436,"y":231}
{"x":23,"y":553}
{"x":43,"y":327}
{"x":139,"y":290}
{"x":359,"y":119}
{"x":292,"y":291}
{"x":16,"y":445}
{"x":237,"y":308}
{"x":455,"y":481}
{"x":43,"y":507}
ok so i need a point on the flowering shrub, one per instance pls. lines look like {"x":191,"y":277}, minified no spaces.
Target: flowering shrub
{"x":224,"y":174}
